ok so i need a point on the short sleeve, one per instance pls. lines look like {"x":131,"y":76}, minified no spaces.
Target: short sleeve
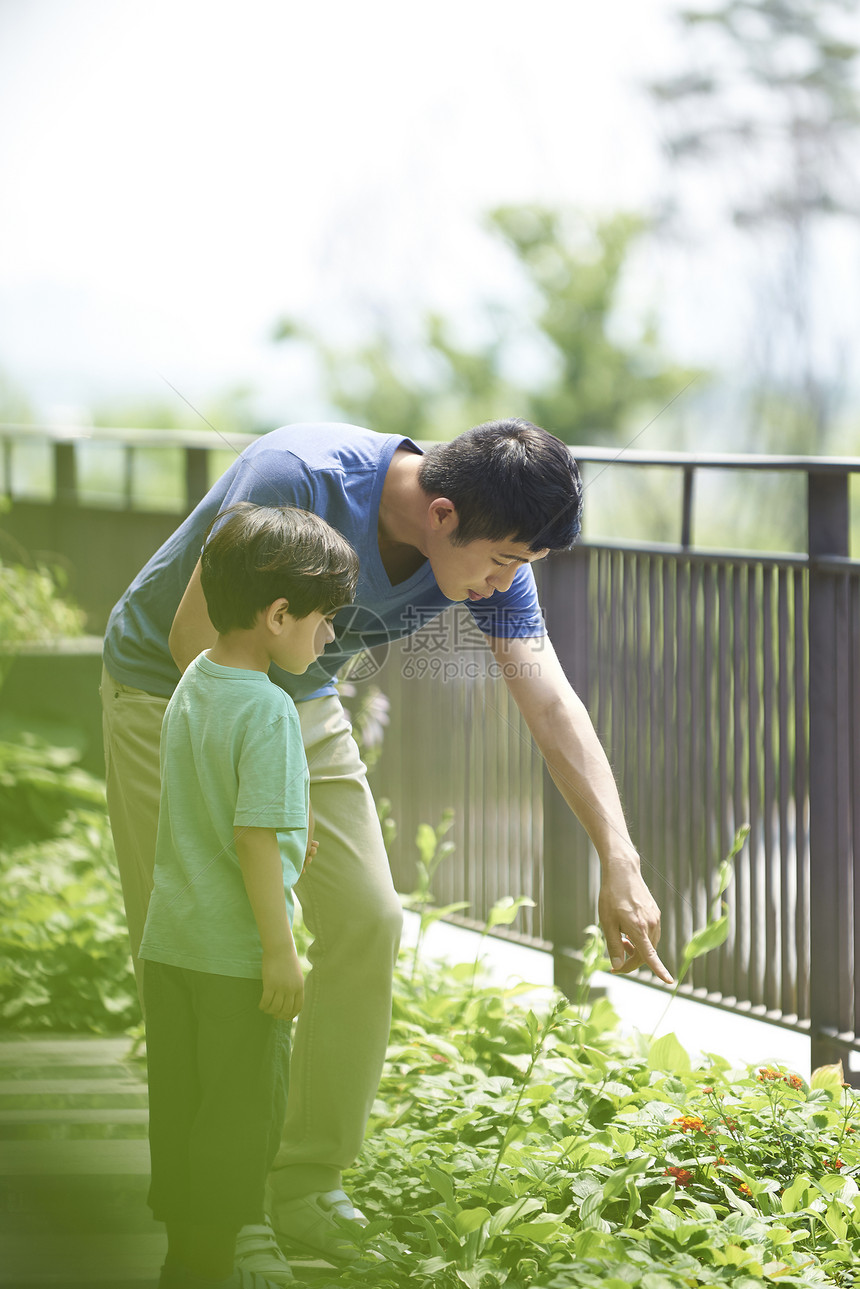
{"x":270,"y":476}
{"x":273,"y":776}
{"x":512,"y":614}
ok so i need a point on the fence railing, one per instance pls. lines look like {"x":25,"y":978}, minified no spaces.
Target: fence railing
{"x":725,"y":686}
{"x":726,"y":689}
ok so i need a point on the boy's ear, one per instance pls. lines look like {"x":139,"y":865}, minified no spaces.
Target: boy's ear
{"x":276,"y":613}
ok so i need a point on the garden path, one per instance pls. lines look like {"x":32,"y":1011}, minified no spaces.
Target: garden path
{"x":74,"y":1167}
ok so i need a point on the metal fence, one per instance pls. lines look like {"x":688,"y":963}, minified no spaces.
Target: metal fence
{"x":725,"y":688}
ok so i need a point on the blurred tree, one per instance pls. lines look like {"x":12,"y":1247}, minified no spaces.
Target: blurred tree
{"x":562,"y":361}
{"x":15,"y":407}
{"x":230,"y":410}
{"x":765,"y":121}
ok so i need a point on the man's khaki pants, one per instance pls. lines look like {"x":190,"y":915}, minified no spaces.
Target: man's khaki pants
{"x":348,"y":903}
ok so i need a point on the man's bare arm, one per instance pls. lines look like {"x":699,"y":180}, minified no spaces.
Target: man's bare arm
{"x":192,"y":631}
{"x":575,"y":758}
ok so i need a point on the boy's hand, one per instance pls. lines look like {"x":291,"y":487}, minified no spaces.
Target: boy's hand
{"x":283,"y":983}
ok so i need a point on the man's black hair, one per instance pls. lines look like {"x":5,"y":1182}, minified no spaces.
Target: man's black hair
{"x":254,"y":555}
{"x":508,"y":480}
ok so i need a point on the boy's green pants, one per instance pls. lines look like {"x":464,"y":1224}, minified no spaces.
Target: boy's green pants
{"x":348,"y":903}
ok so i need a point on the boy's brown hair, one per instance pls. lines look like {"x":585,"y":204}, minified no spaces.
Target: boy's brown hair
{"x":254,"y":555}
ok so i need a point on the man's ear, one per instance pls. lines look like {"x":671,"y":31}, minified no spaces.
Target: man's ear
{"x":276,"y":613}
{"x":442,"y":515}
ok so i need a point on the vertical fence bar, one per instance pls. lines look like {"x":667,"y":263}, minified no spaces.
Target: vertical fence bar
{"x":570,"y":621}
{"x":196,"y":475}
{"x":801,"y":786}
{"x":771,"y":877}
{"x":787,"y":893}
{"x":684,"y":875}
{"x":65,"y":474}
{"x":128,"y":462}
{"x":687,"y":508}
{"x":726,"y":823}
{"x":8,"y":468}
{"x":739,"y":888}
{"x":828,"y":535}
{"x":710,"y":828}
{"x":854,"y":675}
{"x":844,"y":982}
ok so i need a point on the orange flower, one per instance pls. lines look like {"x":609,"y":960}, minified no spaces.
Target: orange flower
{"x":768,"y":1075}
{"x":744,"y":1189}
{"x":683,"y":1177}
{"x":690,"y":1123}
{"x":794,"y":1081}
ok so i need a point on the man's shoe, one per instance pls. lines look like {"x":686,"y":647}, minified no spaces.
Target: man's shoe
{"x":319,"y":1223}
{"x":258,"y":1251}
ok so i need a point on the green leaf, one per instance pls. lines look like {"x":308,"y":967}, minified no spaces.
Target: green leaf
{"x":472,"y":1279}
{"x":505,"y":911}
{"x":431,"y":1266}
{"x":829,"y":1078}
{"x":708,"y":938}
{"x":667,"y":1054}
{"x":443,"y":1184}
{"x":520,"y":1210}
{"x":425,"y":840}
{"x":543,"y":1230}
{"x":429,"y":916}
{"x":471,"y":1219}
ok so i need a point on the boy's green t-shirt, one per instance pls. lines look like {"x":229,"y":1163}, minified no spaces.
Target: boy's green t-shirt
{"x":231,"y":756}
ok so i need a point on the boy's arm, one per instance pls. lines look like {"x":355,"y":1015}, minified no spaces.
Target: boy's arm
{"x":263,"y":875}
{"x":192,"y":631}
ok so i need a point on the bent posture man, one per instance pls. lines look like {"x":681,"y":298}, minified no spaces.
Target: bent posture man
{"x":463,"y":522}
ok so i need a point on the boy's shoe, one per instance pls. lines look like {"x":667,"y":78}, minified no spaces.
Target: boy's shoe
{"x":319,"y":1223}
{"x":257,"y":1250}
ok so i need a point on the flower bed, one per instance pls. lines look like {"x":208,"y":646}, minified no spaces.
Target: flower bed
{"x":529,"y":1146}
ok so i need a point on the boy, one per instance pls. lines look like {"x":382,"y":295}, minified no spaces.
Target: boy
{"x":233,"y":771}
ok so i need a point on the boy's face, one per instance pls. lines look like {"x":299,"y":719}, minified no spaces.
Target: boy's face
{"x":300,"y":641}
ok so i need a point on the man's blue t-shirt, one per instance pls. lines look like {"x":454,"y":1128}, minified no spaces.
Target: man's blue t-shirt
{"x":337,"y":471}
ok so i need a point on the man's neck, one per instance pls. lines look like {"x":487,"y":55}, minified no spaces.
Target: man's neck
{"x":403,"y":503}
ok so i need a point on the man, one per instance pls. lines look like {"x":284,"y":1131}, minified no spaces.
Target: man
{"x":462,"y":523}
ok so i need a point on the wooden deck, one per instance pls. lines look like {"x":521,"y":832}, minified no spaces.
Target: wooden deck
{"x":74,"y":1168}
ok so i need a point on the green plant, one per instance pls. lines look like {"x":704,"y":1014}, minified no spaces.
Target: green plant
{"x":64,"y":954}
{"x":33,"y":609}
{"x":528,"y":1145}
{"x":39,"y":785}
{"x":523,"y":1142}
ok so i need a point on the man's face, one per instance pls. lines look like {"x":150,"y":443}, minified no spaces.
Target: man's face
{"x":480,"y":568}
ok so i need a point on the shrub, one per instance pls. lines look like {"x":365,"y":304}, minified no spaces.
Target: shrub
{"x":64,"y":953}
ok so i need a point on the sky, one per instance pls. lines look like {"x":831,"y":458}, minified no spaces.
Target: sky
{"x":179,"y":174}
